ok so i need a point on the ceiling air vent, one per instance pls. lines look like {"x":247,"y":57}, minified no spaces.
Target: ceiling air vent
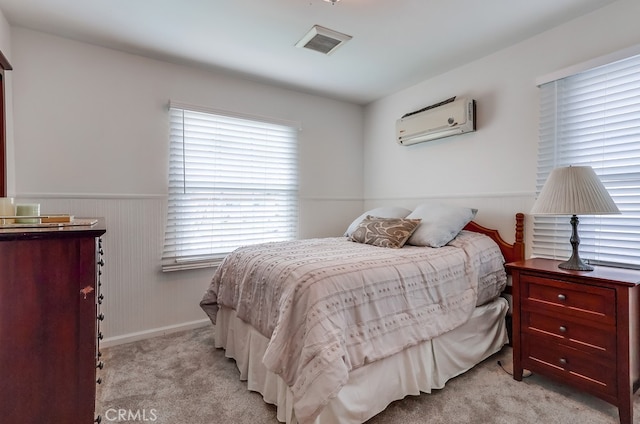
{"x":323,"y":40}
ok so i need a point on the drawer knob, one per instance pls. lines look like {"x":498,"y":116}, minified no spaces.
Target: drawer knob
{"x":562,"y":297}
{"x":85,"y":291}
{"x":563,"y":329}
{"x":563,"y":361}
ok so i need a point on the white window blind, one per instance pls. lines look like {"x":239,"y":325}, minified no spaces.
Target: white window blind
{"x":233,"y":181}
{"x":593,"y":118}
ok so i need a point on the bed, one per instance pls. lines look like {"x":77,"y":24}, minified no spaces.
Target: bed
{"x":330,"y":331}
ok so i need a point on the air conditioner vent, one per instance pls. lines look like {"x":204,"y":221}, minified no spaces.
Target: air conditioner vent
{"x":323,"y":40}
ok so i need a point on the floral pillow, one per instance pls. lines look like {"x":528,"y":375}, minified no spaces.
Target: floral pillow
{"x":381,"y":212}
{"x":384,"y":232}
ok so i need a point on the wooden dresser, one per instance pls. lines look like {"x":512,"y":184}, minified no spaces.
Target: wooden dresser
{"x":578,"y":327}
{"x":49,"y":287}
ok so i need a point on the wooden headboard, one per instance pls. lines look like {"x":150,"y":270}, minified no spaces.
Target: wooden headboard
{"x":511,"y":252}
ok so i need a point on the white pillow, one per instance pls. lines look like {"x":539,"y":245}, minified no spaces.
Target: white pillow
{"x":382,"y":212}
{"x":440,"y":224}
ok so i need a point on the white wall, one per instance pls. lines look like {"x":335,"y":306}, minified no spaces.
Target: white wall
{"x":494,"y":168}
{"x":91,"y":139}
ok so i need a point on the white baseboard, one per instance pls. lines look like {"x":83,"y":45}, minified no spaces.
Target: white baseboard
{"x":155,"y":332}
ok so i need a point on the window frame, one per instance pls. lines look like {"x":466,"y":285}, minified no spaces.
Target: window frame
{"x":4,"y":66}
{"x":605,"y":240}
{"x":205,"y":188}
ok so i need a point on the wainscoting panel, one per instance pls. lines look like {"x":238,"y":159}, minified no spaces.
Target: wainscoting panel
{"x":140,"y":300}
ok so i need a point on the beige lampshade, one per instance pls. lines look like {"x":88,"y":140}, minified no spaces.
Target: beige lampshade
{"x":574,"y":190}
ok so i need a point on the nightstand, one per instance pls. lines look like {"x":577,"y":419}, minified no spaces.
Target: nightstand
{"x":580,"y":328}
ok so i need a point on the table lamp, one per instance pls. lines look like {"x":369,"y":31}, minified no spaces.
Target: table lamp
{"x":574,"y":190}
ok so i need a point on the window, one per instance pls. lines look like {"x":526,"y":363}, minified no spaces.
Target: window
{"x":233,"y":181}
{"x":593,"y":118}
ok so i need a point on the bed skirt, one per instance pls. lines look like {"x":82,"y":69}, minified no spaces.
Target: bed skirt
{"x":370,"y":389}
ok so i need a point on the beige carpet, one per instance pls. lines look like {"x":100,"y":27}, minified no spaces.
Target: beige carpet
{"x":182,"y":379}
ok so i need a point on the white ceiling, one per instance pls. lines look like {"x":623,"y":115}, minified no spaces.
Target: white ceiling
{"x":396,"y":43}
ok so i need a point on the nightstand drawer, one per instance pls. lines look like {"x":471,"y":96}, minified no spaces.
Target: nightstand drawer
{"x":569,"y":365}
{"x":581,"y":300}
{"x":589,"y":337}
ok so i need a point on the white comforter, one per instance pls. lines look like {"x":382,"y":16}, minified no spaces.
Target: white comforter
{"x":331,"y":305}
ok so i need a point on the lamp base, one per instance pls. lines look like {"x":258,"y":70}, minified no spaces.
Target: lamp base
{"x":575,"y":265}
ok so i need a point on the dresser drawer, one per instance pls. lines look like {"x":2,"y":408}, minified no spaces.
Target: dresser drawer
{"x":569,"y":365}
{"x":579,"y":300}
{"x":583,"y":335}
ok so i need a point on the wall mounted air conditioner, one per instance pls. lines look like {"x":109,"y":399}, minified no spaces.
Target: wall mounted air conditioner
{"x":444,"y":119}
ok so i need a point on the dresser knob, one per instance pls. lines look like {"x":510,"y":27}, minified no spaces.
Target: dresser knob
{"x":100,"y":365}
{"x":563,"y":329}
{"x":100,"y":336}
{"x":85,"y":291}
{"x":98,"y":419}
{"x":563,"y":361}
{"x":562,"y":297}
{"x":101,"y":262}
{"x":101,"y":317}
{"x":99,"y":381}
